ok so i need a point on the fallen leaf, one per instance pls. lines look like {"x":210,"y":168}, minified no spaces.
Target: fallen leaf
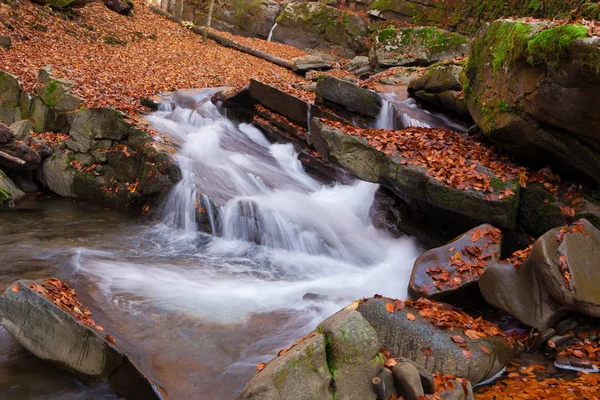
{"x":390,"y":362}
{"x":485,"y":349}
{"x":15,"y":288}
{"x":398,"y":305}
{"x":110,"y":339}
{"x":410,"y":317}
{"x":99,"y":328}
{"x":261,"y":366}
{"x":427,"y":351}
{"x":471,"y":334}
{"x":467,"y":353}
{"x":389,"y":307}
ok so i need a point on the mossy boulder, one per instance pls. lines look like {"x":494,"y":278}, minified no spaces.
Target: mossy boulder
{"x":401,"y":10}
{"x":422,"y":46}
{"x":437,"y":79}
{"x":532,"y":87}
{"x":254,"y":17}
{"x":299,"y":373}
{"x":10,"y":98}
{"x":413,"y":183}
{"x":318,"y":26}
{"x":353,"y":354}
{"x":63,"y":4}
{"x":56,"y":94}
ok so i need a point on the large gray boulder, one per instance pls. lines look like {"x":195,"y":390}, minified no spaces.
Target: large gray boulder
{"x":53,"y":334}
{"x":10,"y":96}
{"x":457,"y":265}
{"x":559,"y":275}
{"x":437,"y":79}
{"x":251,"y":17}
{"x":412,"y":182}
{"x":532,"y":87}
{"x":348,"y":95}
{"x":56,"y":94}
{"x":299,"y":373}
{"x":277,"y":100}
{"x":58,"y":176}
{"x":394,"y":47}
{"x":445,"y":349}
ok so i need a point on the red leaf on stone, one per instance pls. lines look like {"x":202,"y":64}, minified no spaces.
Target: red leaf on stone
{"x":389,"y":307}
{"x":467,"y":353}
{"x":398,"y":305}
{"x":110,"y":339}
{"x":410,"y":317}
{"x":427,"y":351}
{"x":458,"y":339}
{"x":15,"y":288}
{"x":485,"y":349}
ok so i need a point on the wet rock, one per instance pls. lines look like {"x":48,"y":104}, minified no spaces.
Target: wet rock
{"x":303,"y":64}
{"x":119,"y":6}
{"x":256,"y":19}
{"x":433,"y":348}
{"x":318,"y":26}
{"x":427,"y":380}
{"x":408,"y":380}
{"x":412,"y":183}
{"x":101,"y":123}
{"x":277,"y":100}
{"x":5,"y":42}
{"x":451,"y":101}
{"x":53,"y":335}
{"x":349,"y":95}
{"x":388,"y":380}
{"x":56,"y":94}
{"x":557,"y":277}
{"x":20,"y":129}
{"x":457,"y":265}
{"x":300,"y":373}
{"x":416,"y":46}
{"x":537,"y":98}
{"x":9,"y":192}
{"x":352,"y":346}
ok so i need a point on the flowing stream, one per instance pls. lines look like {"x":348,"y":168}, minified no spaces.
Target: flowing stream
{"x":198,"y":311}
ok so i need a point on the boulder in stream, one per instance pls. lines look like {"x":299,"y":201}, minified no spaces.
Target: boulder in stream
{"x":47,"y":319}
{"x":559,"y":275}
{"x":457,"y":265}
{"x":277,"y":100}
{"x":412,"y":181}
{"x":438,"y":337}
{"x":349,"y":95}
{"x":9,"y":191}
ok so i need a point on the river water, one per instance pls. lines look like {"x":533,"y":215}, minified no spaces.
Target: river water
{"x":198,"y":311}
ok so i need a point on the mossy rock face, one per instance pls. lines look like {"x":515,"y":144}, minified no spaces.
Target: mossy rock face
{"x":437,"y":79}
{"x":255,"y":17}
{"x":56,"y":95}
{"x":423,"y":46}
{"x":413,"y":183}
{"x":352,"y":351}
{"x":316,"y":25}
{"x":401,"y":10}
{"x":299,"y":373}
{"x":10,"y":97}
{"x":532,"y":88}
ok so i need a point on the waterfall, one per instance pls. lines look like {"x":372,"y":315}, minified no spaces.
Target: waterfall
{"x":271,"y":32}
{"x":308,"y":118}
{"x":408,"y":121}
{"x":387,"y":115}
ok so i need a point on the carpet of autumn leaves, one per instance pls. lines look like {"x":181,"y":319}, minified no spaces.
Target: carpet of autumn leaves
{"x":156,"y":55}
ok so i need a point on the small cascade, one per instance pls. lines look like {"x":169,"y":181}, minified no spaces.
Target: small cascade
{"x":408,"y":121}
{"x":387,"y":115}
{"x":271,"y":32}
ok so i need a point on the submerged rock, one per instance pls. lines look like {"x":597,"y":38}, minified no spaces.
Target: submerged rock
{"x":422,"y":46}
{"x":532,"y":88}
{"x":559,"y":275}
{"x":53,"y":334}
{"x":457,"y":265}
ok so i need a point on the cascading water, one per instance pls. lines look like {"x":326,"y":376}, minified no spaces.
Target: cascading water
{"x":387,"y":115}
{"x":199,"y":311}
{"x":271,"y":32}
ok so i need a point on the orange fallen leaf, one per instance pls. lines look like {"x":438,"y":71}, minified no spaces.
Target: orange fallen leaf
{"x":398,"y":305}
{"x":390,"y":362}
{"x":427,"y":351}
{"x":389,"y":307}
{"x":15,"y":288}
{"x":471,"y":334}
{"x":410,"y":317}
{"x":110,"y":339}
{"x":261,"y":366}
{"x":467,"y":353}
{"x":485,"y":349}
{"x":99,"y":328}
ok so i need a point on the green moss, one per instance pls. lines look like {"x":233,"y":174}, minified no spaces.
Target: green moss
{"x":497,"y":184}
{"x":552,"y":45}
{"x":386,"y":34}
{"x":382,"y":5}
{"x":4,"y":196}
{"x":507,"y":42}
{"x":113,"y":40}
{"x":51,"y":93}
{"x":329,"y":356}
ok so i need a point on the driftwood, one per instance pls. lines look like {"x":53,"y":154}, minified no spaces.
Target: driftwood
{"x":223,"y":41}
